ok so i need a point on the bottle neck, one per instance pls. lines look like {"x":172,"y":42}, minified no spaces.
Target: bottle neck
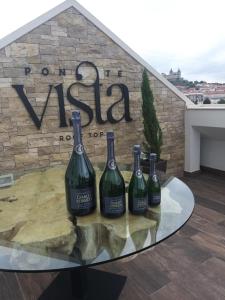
{"x":136,"y":162}
{"x":152,"y":167}
{"x":111,"y":163}
{"x":77,"y":132}
{"x":78,"y":146}
{"x":110,"y":149}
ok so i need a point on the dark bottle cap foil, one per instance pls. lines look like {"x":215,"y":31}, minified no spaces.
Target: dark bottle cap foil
{"x":137,"y":149}
{"x":76,"y":115}
{"x":153,"y":156}
{"x":110,"y":135}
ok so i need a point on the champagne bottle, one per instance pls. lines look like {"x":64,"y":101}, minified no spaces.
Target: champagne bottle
{"x":137,"y":191}
{"x":154,"y":188}
{"x":80,"y":176}
{"x":112,"y":186}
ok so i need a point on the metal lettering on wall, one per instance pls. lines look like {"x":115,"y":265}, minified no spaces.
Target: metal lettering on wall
{"x":76,"y":102}
{"x":96,"y":134}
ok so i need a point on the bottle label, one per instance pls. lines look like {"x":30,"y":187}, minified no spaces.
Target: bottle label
{"x":114,"y":204}
{"x":112,"y":164}
{"x":81,"y":198}
{"x":155,"y":199}
{"x":138,"y":173}
{"x":79,"y":149}
{"x":140,"y":204}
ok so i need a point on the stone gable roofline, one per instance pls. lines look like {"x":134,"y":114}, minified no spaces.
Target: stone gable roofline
{"x":72,"y":3}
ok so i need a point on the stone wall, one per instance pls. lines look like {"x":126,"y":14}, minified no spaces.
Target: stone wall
{"x":63,"y":42}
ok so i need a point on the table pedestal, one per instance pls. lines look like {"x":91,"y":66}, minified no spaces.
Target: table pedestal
{"x":85,"y":284}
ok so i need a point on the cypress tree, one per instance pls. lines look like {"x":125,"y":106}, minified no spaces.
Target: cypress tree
{"x":152,"y":130}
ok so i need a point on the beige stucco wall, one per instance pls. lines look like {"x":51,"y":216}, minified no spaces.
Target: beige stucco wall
{"x":63,"y":42}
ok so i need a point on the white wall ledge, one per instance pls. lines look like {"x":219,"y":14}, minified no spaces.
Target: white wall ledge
{"x":207,"y":107}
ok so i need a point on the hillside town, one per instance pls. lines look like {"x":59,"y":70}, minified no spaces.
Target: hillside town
{"x":199,"y":92}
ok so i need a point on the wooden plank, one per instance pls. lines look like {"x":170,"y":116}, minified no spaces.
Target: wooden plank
{"x":184,"y":247}
{"x":187,"y":231}
{"x":208,"y":214}
{"x":206,"y":189}
{"x":210,"y":228}
{"x":133,"y":291}
{"x":33,"y":284}
{"x":167,"y":260}
{"x":9,"y":287}
{"x":214,"y":269}
{"x":212,"y":244}
{"x":218,"y":207}
{"x":173,"y":291}
{"x":145,"y":274}
{"x":199,"y":285}
{"x":222,"y":223}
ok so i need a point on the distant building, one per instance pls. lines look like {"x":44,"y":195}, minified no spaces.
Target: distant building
{"x":173,"y":76}
{"x":196,"y":98}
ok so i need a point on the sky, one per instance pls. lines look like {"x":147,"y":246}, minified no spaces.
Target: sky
{"x":189,"y":35}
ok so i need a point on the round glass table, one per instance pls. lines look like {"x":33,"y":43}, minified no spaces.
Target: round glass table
{"x":36,"y":234}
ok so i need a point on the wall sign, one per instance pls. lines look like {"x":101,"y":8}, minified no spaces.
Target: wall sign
{"x":96,"y":134}
{"x":76,"y":102}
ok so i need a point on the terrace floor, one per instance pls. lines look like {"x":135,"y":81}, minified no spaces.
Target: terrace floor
{"x":190,"y":265}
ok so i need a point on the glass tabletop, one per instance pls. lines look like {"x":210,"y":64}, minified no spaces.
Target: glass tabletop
{"x":36,"y":233}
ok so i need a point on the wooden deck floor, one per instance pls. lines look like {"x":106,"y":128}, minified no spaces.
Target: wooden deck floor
{"x":188,"y":266}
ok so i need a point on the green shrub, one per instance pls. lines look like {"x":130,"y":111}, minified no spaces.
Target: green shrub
{"x":152,"y":130}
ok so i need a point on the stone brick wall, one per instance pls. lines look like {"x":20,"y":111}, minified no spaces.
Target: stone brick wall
{"x":63,"y":42}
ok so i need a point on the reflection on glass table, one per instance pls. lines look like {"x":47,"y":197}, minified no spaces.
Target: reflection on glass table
{"x":37,"y":235}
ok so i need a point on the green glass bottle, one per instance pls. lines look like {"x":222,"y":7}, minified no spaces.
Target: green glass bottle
{"x":80,"y":179}
{"x":154,"y":187}
{"x":137,"y":191}
{"x":112,"y":186}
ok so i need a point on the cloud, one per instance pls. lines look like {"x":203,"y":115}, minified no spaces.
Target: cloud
{"x":209,"y":65}
{"x":167,"y":34}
